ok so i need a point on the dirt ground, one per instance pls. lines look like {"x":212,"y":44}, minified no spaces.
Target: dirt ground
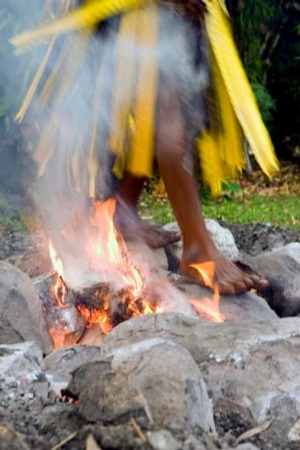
{"x":29,"y":421}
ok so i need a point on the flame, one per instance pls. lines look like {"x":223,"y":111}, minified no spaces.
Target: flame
{"x":56,"y":262}
{"x":106,"y":245}
{"x":208,"y":307}
{"x":108,"y":248}
{"x":59,"y":288}
{"x":106,"y":253}
{"x":96,"y":316}
{"x":134,"y":280}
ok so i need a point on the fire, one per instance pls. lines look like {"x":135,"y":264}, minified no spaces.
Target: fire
{"x":206,"y":307}
{"x":105,"y":255}
{"x":56,"y":262}
{"x":106,"y":245}
{"x":59,"y":289}
{"x":108,"y":249}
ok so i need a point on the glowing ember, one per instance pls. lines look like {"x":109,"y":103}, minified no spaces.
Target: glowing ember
{"x":206,"y":307}
{"x":120,"y":291}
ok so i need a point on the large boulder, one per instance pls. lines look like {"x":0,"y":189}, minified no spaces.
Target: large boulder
{"x":281,"y":267}
{"x":21,"y":314}
{"x":252,"y":363}
{"x":156,"y":379}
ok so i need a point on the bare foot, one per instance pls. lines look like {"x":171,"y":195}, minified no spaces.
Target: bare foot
{"x":132,"y":228}
{"x":153,"y":236}
{"x":230,"y":278}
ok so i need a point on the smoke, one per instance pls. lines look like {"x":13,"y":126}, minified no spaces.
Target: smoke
{"x":73,"y":113}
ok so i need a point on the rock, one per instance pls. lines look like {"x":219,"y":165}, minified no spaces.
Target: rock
{"x":256,"y":238}
{"x":28,"y":252}
{"x":235,"y":308}
{"x":65,"y":324}
{"x":285,"y":411}
{"x":233,"y":418}
{"x":281,"y":267}
{"x":132,"y":382}
{"x":60,"y":363}
{"x":247,"y":362}
{"x":11,"y":440}
{"x":294,"y":433}
{"x":222,"y":237}
{"x":34,"y":263}
{"x":21,"y":362}
{"x":246,"y":446}
{"x":163,"y":440}
{"x":21,"y":315}
{"x":194,"y":443}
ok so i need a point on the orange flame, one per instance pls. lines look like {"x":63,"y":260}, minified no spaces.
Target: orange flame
{"x":109,"y":247}
{"x":59,"y":288}
{"x":106,"y":243}
{"x":96,"y":316}
{"x":206,"y":307}
{"x":107,"y":255}
{"x":56,"y":262}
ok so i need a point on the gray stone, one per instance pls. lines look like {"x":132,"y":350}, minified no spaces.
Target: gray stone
{"x":282,"y":268}
{"x":222,"y":237}
{"x":154,"y":378}
{"x":11,"y":440}
{"x":249,"y":362}
{"x":21,"y":362}
{"x":294,"y":432}
{"x":21,"y":315}
{"x":235,"y":308}
{"x":60,"y":363}
{"x":163,"y":440}
{"x":65,"y":324}
{"x":193,"y":443}
{"x":285,"y":411}
{"x":247,"y":446}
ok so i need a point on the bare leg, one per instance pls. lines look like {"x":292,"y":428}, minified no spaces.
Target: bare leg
{"x":128,"y":221}
{"x":182,"y":190}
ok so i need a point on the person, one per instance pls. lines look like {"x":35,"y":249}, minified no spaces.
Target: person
{"x":183,"y":93}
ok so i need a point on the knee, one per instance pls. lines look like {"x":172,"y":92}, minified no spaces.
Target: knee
{"x":171,"y":134}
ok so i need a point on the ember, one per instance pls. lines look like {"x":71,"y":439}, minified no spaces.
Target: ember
{"x":121,"y":291}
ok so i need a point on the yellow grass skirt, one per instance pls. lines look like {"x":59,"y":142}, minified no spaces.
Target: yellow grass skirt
{"x":118,"y":102}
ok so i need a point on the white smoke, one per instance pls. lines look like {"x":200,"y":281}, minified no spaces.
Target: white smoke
{"x":73,"y":107}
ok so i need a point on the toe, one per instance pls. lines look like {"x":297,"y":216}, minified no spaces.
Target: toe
{"x":226,"y":288}
{"x":261,"y":284}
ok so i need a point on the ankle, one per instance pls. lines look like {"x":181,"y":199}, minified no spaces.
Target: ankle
{"x":201,"y":250}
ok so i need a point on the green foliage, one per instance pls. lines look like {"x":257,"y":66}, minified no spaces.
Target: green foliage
{"x":11,"y":218}
{"x":266,"y":103}
{"x":283,"y":211}
{"x":266,"y":35}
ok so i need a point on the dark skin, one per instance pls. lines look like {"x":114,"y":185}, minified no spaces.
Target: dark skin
{"x":198,"y":246}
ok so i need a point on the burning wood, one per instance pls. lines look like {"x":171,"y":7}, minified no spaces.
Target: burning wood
{"x":121,"y":291}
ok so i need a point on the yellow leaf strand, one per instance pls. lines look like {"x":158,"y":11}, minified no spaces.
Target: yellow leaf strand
{"x":84,"y":16}
{"x":238,"y":87}
{"x":140,"y":158}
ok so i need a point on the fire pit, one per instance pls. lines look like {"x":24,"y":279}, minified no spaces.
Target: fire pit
{"x":157,"y":371}
{"x":109,"y":288}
